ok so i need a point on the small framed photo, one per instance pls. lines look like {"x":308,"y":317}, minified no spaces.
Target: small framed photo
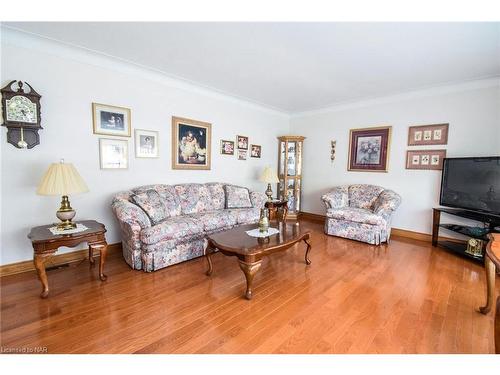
{"x":146,"y":143}
{"x":226,"y":147}
{"x":255,"y":151}
{"x":435,"y":134}
{"x":425,"y":159}
{"x":242,"y":142}
{"x":113,"y":153}
{"x":242,"y":154}
{"x":111,"y":120}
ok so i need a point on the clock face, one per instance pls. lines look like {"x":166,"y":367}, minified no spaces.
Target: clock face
{"x":21,"y":109}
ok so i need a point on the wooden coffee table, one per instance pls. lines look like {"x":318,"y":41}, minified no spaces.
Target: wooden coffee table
{"x":251,"y":250}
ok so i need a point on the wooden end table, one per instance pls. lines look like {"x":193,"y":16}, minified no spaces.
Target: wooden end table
{"x":250,"y":250}
{"x":274,"y":206}
{"x":45,"y":245}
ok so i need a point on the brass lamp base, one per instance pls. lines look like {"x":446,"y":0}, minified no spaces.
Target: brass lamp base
{"x":269,"y":192}
{"x":65,"y":214}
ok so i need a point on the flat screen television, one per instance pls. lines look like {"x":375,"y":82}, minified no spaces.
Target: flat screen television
{"x":471,"y":184}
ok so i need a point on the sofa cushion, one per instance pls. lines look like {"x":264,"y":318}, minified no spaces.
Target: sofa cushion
{"x":152,"y":204}
{"x":220,"y":219}
{"x":173,"y":228}
{"x":363,"y":196}
{"x":217,"y":195}
{"x":168,"y":194}
{"x":237,"y":197}
{"x":358,"y":215}
{"x":245,"y":215}
{"x":194,"y":198}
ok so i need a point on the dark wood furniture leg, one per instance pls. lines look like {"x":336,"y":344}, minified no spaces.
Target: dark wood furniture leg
{"x":91,"y":255}
{"x":209,"y":250}
{"x":497,"y":327}
{"x":249,"y":269}
{"x":490,"y":285}
{"x":39,"y":261}
{"x":104,"y":251}
{"x":308,"y":261}
{"x":436,"y":217}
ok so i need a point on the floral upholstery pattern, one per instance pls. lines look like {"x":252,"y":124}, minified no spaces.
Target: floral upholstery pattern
{"x":180,"y":236}
{"x":360,"y":212}
{"x":152,"y":204}
{"x":237,"y":197}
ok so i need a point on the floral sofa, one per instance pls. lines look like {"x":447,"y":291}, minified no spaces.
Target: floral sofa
{"x":360,"y":212}
{"x":163,"y":225}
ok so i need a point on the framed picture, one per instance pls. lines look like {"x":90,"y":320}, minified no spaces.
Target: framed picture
{"x":113,"y":153}
{"x":255,"y":151}
{"x":242,"y":154}
{"x":428,"y":135}
{"x":369,"y":149}
{"x":111,"y":120}
{"x":425,"y":159}
{"x":146,"y":143}
{"x":191,"y":144}
{"x":226,"y":147}
{"x":242,"y":142}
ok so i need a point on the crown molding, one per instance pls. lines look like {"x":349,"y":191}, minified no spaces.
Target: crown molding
{"x":431,"y":91}
{"x":40,"y":43}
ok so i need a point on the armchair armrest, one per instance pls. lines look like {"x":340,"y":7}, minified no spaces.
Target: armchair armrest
{"x":387,"y":202}
{"x":129,"y":213}
{"x":337,"y":198}
{"x":258,"y":199}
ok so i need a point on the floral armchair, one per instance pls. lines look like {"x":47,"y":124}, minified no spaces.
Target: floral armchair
{"x":360,"y":212}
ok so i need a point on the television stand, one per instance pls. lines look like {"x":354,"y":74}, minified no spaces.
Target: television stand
{"x":489,"y":222}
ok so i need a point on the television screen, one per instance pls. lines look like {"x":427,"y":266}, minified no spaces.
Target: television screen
{"x":471,"y":183}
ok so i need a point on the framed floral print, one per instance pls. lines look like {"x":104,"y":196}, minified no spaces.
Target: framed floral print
{"x":113,"y":153}
{"x":111,"y":120}
{"x":226,"y":147}
{"x":425,"y":159}
{"x":146,"y":143}
{"x":242,"y":142}
{"x":428,"y":135}
{"x":191,"y":144}
{"x":369,"y":149}
{"x":255,"y":151}
{"x":242,"y":154}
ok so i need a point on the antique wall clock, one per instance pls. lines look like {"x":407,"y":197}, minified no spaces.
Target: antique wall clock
{"x":21,"y":115}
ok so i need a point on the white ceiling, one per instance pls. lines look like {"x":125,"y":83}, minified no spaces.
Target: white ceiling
{"x":296,"y":67}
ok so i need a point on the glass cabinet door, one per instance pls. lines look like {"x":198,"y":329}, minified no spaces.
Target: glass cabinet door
{"x":290,"y":172}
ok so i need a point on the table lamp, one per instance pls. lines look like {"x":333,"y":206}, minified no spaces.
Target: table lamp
{"x":270,"y":177}
{"x":63,"y":179}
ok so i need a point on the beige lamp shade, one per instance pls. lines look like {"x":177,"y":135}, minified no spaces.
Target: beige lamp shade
{"x":269,"y":176}
{"x":61,"y":179}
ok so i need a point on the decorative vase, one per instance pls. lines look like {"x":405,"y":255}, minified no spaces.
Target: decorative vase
{"x":264,"y":220}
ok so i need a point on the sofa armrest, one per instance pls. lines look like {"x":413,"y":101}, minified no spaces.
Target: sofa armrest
{"x":337,"y":198}
{"x":386,"y":203}
{"x":258,"y":199}
{"x":131,"y":214}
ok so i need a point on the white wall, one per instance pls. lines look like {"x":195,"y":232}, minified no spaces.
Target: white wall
{"x":68,"y":87}
{"x":474,"y":118}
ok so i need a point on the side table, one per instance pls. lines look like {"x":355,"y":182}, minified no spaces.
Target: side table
{"x":45,"y":245}
{"x":275,"y":206}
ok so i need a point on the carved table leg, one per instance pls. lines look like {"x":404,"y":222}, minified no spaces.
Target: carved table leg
{"x":91,"y":255}
{"x":209,"y":250}
{"x":104,"y":251}
{"x":490,"y":285}
{"x":308,"y":261}
{"x":39,"y":261}
{"x":249,"y":269}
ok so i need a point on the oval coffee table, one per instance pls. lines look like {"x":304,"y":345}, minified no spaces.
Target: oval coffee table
{"x":251,"y":250}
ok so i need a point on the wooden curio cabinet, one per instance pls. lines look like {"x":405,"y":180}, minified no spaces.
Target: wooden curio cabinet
{"x":290,"y":172}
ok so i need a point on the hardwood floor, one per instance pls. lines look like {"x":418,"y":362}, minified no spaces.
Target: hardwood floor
{"x":407,"y":297}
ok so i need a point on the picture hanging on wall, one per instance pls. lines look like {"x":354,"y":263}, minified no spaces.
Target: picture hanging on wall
{"x":436,"y":134}
{"x":226,"y":147}
{"x":242,"y":142}
{"x":146,"y":143}
{"x":369,"y":149}
{"x":191,"y":144}
{"x":113,"y":153}
{"x":111,"y":120}
{"x":242,"y":154}
{"x":255,"y":151}
{"x":425,"y":159}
